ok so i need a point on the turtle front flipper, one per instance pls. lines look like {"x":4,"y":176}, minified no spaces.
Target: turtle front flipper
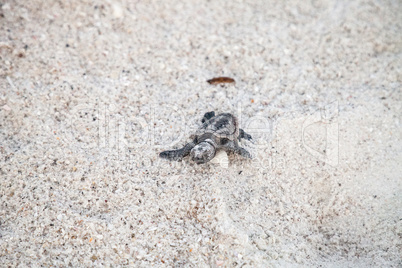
{"x":244,"y":135}
{"x":208,"y":116}
{"x":235,"y":148}
{"x":178,"y":154}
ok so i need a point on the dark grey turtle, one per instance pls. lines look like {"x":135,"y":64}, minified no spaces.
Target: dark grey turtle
{"x":217,"y":132}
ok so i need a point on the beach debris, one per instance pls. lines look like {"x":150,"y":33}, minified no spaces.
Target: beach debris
{"x":221,"y":80}
{"x":220,"y":132}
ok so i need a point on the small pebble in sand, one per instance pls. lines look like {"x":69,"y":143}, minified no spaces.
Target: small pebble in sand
{"x":222,"y":159}
{"x":221,"y":80}
{"x":6,"y":108}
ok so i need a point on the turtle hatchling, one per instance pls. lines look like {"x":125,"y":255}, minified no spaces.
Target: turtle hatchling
{"x":216,"y":132}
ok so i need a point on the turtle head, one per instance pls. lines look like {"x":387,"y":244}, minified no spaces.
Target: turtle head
{"x":202,"y":152}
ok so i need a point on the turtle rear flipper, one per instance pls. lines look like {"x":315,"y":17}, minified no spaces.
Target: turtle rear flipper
{"x":208,"y":116}
{"x":178,"y":154}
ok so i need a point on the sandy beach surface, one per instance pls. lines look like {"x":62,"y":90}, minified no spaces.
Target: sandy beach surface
{"x":92,"y":91}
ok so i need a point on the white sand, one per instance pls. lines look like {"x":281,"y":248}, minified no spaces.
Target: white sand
{"x":91,"y":93}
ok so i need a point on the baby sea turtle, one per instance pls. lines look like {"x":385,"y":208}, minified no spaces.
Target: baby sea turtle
{"x":217,"y":132}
